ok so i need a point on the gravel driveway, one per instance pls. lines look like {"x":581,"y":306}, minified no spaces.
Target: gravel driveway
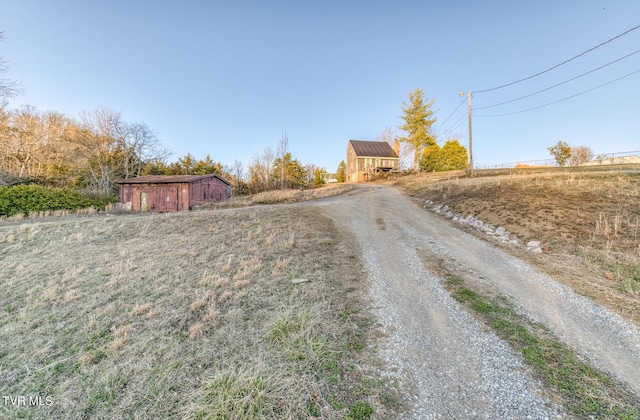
{"x":453,"y":365}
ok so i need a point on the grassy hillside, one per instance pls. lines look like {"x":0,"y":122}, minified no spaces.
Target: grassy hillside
{"x":189,"y":315}
{"x":588,"y":222}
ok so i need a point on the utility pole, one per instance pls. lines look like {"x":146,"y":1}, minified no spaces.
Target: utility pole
{"x":470,"y":134}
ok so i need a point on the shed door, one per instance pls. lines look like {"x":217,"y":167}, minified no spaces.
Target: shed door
{"x":166,"y":198}
{"x":143,"y":201}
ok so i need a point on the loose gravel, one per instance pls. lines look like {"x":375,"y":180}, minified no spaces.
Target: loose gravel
{"x":447,"y":362}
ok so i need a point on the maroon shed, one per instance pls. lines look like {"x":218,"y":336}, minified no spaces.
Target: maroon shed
{"x":172,"y":192}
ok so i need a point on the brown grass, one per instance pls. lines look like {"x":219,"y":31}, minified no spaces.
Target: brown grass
{"x":285,"y":196}
{"x":180,"y":315}
{"x":588,"y":223}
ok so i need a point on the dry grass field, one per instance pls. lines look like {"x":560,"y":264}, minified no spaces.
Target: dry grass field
{"x":285,"y":196}
{"x":187,"y":315}
{"x":588,"y":222}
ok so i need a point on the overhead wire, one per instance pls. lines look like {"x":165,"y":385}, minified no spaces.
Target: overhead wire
{"x":457,"y":125}
{"x":563,"y":99}
{"x":449,"y":117}
{"x":457,"y":122}
{"x":559,"y":84}
{"x":558,"y":65}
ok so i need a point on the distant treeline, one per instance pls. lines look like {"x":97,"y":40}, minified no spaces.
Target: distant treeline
{"x":92,"y":152}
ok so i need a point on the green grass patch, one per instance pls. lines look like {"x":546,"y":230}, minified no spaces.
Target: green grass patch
{"x":359,"y":411}
{"x":584,"y":391}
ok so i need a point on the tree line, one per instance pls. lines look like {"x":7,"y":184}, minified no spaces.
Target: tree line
{"x":270,"y":170}
{"x":89,"y":152}
{"x":99,"y":147}
{"x":93,"y":151}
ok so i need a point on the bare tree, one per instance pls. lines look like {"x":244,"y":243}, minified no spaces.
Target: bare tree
{"x":260,"y":171}
{"x":580,"y":155}
{"x":33,"y":144}
{"x":388,"y":134}
{"x":113,"y":148}
{"x":23,"y":142}
{"x":238,"y":169}
{"x":283,"y":148}
{"x":8,"y":88}
{"x":4,"y":134}
{"x":236,"y":174}
{"x":96,"y":137}
{"x":62,"y":157}
{"x":403,"y":149}
{"x":138,"y":144}
{"x":311,"y":170}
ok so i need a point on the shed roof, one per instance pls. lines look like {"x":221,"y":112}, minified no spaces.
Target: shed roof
{"x":373,"y":149}
{"x":167,"y":179}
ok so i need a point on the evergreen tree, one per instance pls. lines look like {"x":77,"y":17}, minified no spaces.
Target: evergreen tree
{"x":341,"y":173}
{"x":453,"y":156}
{"x":183,"y":166}
{"x":288,"y":172}
{"x":418,"y":119}
{"x":317,"y":177}
{"x":155,"y":168}
{"x":430,"y":159}
{"x":206,"y":166}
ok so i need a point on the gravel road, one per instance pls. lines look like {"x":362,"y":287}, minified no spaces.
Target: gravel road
{"x":455,"y":367}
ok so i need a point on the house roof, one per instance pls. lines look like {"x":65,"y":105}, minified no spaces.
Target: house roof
{"x":167,"y":179}
{"x":373,"y":149}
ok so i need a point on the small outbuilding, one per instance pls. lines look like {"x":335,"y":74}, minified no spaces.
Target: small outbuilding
{"x":164,"y":193}
{"x":369,"y":160}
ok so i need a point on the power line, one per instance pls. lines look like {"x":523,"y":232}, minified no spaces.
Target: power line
{"x":563,"y":99}
{"x":559,"y":84}
{"x":558,"y":65}
{"x":451,"y":115}
{"x":457,"y":122}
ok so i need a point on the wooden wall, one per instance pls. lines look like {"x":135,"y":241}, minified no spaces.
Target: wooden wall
{"x":156,"y":197}
{"x":174,"y":196}
{"x":351,"y":172}
{"x":208,"y":190}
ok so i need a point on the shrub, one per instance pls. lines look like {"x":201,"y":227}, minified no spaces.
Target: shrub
{"x":35,"y":198}
{"x":450,"y":157}
{"x":561,"y":152}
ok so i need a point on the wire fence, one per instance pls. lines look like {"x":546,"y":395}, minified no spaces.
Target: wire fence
{"x":617,"y":158}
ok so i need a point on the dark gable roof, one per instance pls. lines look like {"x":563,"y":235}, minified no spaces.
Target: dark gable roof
{"x":373,"y":149}
{"x":167,"y":179}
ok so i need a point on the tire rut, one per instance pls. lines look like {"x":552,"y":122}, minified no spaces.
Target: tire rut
{"x":454,"y":366}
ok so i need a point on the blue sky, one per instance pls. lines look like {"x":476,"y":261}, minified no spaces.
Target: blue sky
{"x":227,"y":78}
